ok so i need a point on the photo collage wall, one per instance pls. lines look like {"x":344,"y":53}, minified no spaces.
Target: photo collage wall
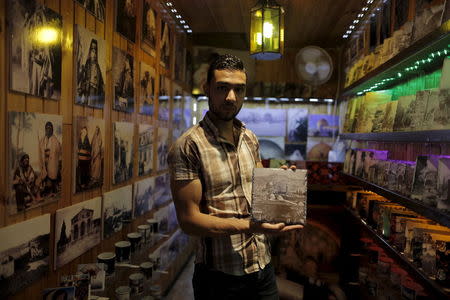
{"x":122,"y":104}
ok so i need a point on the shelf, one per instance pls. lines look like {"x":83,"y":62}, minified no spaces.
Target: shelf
{"x":428,"y":212}
{"x":437,"y":136}
{"x":432,"y":286}
{"x":436,"y":40}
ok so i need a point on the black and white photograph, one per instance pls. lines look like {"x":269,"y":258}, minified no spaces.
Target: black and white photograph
{"x":162,"y":192}
{"x":426,"y":179}
{"x":143,"y":196}
{"x":147,"y":79}
{"x":163,"y":100}
{"x":95,"y":7}
{"x":295,"y":151}
{"x":35,"y":36}
{"x":117,"y":209}
{"x":126,"y":18}
{"x":317,"y":148}
{"x":90,"y":68}
{"x":271,"y":147}
{"x":402,"y":119}
{"x":123,"y":79}
{"x":279,"y":196}
{"x":89,"y":151}
{"x":162,"y":148}
{"x":77,"y":229}
{"x":24,"y":254}
{"x":97,"y":275}
{"x":123,"y":151}
{"x":438,"y":110}
{"x":66,"y":293}
{"x":145,"y":149}
{"x":180,"y":50}
{"x":165,"y":44}
{"x":297,"y":124}
{"x":149,"y":27}
{"x":35,"y":160}
{"x":81,"y":283}
{"x":444,"y":184}
{"x":162,"y":216}
{"x":264,"y":121}
{"x":428,"y":17}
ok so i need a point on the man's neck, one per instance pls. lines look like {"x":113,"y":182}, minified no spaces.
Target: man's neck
{"x":225,"y":128}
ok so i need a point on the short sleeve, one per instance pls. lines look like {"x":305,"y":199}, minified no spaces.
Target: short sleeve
{"x":183,"y":160}
{"x":255,"y":146}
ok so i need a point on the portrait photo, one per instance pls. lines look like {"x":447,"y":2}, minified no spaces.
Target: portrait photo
{"x":143,"y":197}
{"x":147,"y":78}
{"x":162,"y":148}
{"x":149,"y":28}
{"x":89,"y":151}
{"x":35,"y":158}
{"x":123,"y":151}
{"x":95,"y":7}
{"x":145,"y":149}
{"x":123,"y":79}
{"x":35,"y":36}
{"x":117,"y":206}
{"x":165,"y":44}
{"x":90,"y":66}
{"x":126,"y":18}
{"x":77,"y":229}
{"x":24,"y":254}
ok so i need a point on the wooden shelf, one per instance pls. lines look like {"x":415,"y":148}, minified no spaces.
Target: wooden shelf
{"x":426,"y":136}
{"x":430,"y":284}
{"x":428,"y":212}
{"x":432,"y":42}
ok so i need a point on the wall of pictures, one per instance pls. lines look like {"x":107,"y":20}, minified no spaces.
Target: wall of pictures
{"x":80,"y":92}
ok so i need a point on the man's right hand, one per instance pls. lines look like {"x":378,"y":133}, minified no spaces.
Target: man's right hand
{"x":269,"y":228}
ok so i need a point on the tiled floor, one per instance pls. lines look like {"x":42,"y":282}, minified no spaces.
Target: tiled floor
{"x":182,"y":288}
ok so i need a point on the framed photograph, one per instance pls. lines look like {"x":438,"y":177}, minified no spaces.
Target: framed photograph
{"x":90,"y":68}
{"x":126,"y":18}
{"x":147,"y":77}
{"x":444,"y":184}
{"x":295,"y":151}
{"x":428,"y":17}
{"x":425,"y":184}
{"x":271,"y":147}
{"x":279,"y":196}
{"x":77,"y":229}
{"x":145,"y":149}
{"x":297,"y":122}
{"x":264,"y":121}
{"x":180,"y":52}
{"x":123,"y":78}
{"x":162,"y":217}
{"x":35,"y":160}
{"x":117,"y":209}
{"x":162,"y":148}
{"x":149,"y":27}
{"x":323,"y":125}
{"x":35,"y":39}
{"x":162,"y":190}
{"x":123,"y":151}
{"x":81,"y":283}
{"x":165,"y":44}
{"x":95,"y":7}
{"x":89,"y":151}
{"x":144,"y":196}
{"x":97,"y":274}
{"x":317,"y":148}
{"x":24,"y":254}
{"x":163,"y":100}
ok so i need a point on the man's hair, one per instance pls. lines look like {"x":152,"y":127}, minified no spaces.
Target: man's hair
{"x":225,"y":62}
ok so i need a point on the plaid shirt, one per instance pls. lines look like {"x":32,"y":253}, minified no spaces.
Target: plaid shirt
{"x":226,"y":176}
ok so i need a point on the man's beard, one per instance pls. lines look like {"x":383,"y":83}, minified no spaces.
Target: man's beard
{"x":226,"y":114}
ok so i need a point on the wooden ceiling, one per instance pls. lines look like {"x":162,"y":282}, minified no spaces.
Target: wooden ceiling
{"x":307,"y":22}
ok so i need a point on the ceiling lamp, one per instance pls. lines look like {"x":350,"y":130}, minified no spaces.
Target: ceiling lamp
{"x":267,"y":30}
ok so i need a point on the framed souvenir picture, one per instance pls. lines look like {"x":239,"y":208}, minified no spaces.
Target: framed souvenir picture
{"x":123,"y":79}
{"x":148,"y":29}
{"x":126,"y":18}
{"x":165,"y":44}
{"x":95,"y":7}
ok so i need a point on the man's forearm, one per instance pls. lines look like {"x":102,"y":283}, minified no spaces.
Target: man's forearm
{"x":205,"y":225}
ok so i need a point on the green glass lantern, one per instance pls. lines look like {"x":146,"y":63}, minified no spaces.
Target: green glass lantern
{"x":267,"y":30}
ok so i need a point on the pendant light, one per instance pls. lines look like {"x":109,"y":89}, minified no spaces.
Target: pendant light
{"x":267,"y":30}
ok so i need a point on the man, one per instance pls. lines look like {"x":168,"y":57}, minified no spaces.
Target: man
{"x":84,"y":159}
{"x":97,"y":158}
{"x":24,"y":183}
{"x":50,"y":161}
{"x":211,"y":176}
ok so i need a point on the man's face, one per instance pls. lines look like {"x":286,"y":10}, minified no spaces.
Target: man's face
{"x":226,"y":93}
{"x":48,"y":130}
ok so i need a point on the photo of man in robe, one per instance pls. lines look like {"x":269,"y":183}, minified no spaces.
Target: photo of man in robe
{"x":123,"y":71}
{"x":97,"y":158}
{"x":24,"y":183}
{"x":84,"y":158}
{"x":50,"y":162}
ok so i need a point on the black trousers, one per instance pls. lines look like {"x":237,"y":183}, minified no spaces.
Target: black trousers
{"x":211,"y":284}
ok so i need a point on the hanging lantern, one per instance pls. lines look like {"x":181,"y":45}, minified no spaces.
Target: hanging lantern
{"x":267,"y":30}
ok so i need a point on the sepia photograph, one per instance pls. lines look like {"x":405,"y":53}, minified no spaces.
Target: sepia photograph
{"x":145,"y":149}
{"x":89,"y":151}
{"x":90,"y":66}
{"x":438,"y":110}
{"x":96,"y":274}
{"x":117,"y":209}
{"x":35,"y":160}
{"x":147,"y":77}
{"x":77,"y":229}
{"x":402,"y":119}
{"x":317,"y":148}
{"x":24,"y":254}
{"x":66,"y":293}
{"x":163,"y":99}
{"x":123,"y":151}
{"x":425,"y":182}
{"x":35,"y":36}
{"x":271,"y":147}
{"x":297,"y":123}
{"x":144,"y":196}
{"x":95,"y":7}
{"x":162,"y":192}
{"x":264,"y":122}
{"x":323,"y":125}
{"x":123,"y":79}
{"x":126,"y":18}
{"x":279,"y":196}
{"x":149,"y":27}
{"x":443,"y":203}
{"x":165,"y":44}
{"x":162,"y":148}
